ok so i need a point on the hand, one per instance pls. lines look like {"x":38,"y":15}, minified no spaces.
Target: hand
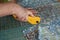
{"x":23,"y":13}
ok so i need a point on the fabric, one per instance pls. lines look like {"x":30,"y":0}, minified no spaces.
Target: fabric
{"x":10,"y":29}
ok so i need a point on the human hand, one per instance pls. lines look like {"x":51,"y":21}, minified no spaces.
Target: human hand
{"x":23,"y":13}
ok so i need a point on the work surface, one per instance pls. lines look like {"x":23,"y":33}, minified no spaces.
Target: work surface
{"x":49,"y":28}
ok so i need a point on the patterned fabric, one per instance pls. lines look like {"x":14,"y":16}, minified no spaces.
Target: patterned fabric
{"x":50,"y":23}
{"x":49,"y":28}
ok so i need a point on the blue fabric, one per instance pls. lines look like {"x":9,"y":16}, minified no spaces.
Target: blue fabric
{"x":50,"y":15}
{"x":48,"y":28}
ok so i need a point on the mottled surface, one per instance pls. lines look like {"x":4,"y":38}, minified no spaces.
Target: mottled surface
{"x":10,"y":29}
{"x":50,"y":27}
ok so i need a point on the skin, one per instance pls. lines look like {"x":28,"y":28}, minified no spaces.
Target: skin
{"x":13,"y":8}
{"x":58,"y":0}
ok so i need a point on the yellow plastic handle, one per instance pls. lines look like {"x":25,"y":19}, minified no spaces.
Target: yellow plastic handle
{"x":34,"y":20}
{"x":15,"y":16}
{"x":31,"y":20}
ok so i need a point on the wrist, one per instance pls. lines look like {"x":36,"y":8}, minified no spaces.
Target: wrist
{"x":15,"y":8}
{"x":12,"y":8}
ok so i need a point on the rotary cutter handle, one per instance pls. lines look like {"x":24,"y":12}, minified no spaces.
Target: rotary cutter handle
{"x":31,"y":20}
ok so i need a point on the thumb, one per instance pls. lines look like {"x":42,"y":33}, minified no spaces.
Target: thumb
{"x":30,"y":14}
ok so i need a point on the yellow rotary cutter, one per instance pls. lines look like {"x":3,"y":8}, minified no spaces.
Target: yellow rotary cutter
{"x":32,"y":20}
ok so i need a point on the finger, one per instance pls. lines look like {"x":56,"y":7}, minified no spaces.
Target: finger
{"x":29,"y":8}
{"x":23,"y":19}
{"x":34,"y":11}
{"x":20,"y":19}
{"x":31,"y":15}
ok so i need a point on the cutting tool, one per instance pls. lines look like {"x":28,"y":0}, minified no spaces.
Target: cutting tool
{"x":31,"y":32}
{"x":31,"y":20}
